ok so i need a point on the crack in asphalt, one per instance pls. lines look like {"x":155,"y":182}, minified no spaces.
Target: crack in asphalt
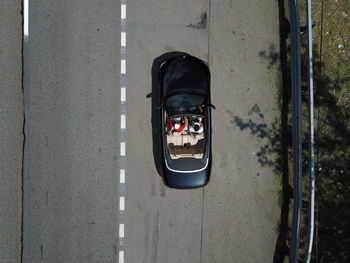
{"x":201,"y":239}
{"x":23,"y":132}
{"x":201,"y":242}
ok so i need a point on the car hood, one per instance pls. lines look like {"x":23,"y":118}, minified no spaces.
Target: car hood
{"x":186,"y":74}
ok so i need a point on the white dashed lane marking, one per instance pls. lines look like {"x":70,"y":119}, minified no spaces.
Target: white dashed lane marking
{"x":123,"y":39}
{"x":123,"y":11}
{"x":122,"y":176}
{"x":121,"y":230}
{"x":122,"y":121}
{"x":122,"y":162}
{"x":121,"y":256}
{"x":123,"y":66}
{"x":122,"y":148}
{"x":122,"y":203}
{"x":26,"y":18}
{"x":122,"y":94}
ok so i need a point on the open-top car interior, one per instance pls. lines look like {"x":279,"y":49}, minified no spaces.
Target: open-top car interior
{"x":185,"y":136}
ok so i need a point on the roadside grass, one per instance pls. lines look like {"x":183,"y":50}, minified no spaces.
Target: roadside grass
{"x":331,"y":39}
{"x":335,"y":41}
{"x":331,"y":36}
{"x":279,"y":88}
{"x":333,"y":99}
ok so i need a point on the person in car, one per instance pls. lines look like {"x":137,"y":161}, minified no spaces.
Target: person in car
{"x":196,"y":126}
{"x":178,"y":124}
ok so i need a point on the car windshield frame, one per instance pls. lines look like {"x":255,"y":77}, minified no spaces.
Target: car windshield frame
{"x":186,"y":110}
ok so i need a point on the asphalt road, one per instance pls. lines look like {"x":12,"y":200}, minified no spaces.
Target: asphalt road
{"x":11,"y":130}
{"x":70,"y":183}
{"x":232,"y":219}
{"x":72,"y":98}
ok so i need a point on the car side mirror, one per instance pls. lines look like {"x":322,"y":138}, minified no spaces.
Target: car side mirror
{"x":212,"y":106}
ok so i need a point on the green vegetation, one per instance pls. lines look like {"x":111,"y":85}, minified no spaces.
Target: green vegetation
{"x":332,"y":89}
{"x":279,"y":89}
{"x":332,"y":123}
{"x":331,"y":36}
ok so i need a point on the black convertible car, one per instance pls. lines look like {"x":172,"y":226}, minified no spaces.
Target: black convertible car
{"x":185,"y":108}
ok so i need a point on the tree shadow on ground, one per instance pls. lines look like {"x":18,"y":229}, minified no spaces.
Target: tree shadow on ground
{"x":272,"y":153}
{"x":260,"y":129}
{"x":281,"y":136}
{"x":276,"y":152}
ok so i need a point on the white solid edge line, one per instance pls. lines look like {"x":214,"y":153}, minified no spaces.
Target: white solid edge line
{"x":26,"y":18}
{"x":123,"y":66}
{"x":122,"y":176}
{"x":123,"y":94}
{"x":123,"y":39}
{"x":122,"y":203}
{"x":121,"y":257}
{"x":122,"y":148}
{"x":121,"y":230}
{"x":123,"y":11}
{"x":122,"y":121}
